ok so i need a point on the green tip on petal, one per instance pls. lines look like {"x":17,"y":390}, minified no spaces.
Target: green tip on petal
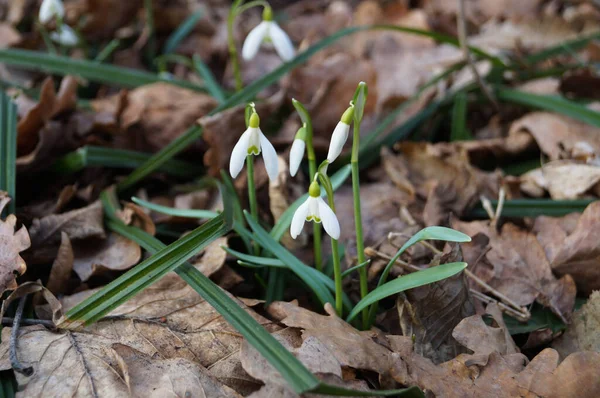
{"x":348,"y":115}
{"x":254,"y":120}
{"x":314,"y":190}
{"x":301,"y":134}
{"x":267,"y":14}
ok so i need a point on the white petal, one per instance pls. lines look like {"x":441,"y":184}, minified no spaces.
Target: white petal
{"x":299,"y":219}
{"x":338,"y":139}
{"x":254,"y":40}
{"x":49,"y":9}
{"x":296,"y":155}
{"x":238,"y":155}
{"x":66,"y":36}
{"x":281,"y":41}
{"x":269,"y":156}
{"x":329,"y":220}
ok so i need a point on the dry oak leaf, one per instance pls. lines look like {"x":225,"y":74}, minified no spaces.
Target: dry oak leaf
{"x":563,"y":179}
{"x":86,"y":222}
{"x":60,"y":273}
{"x":582,"y":334}
{"x":160,"y":112}
{"x":11,"y":244}
{"x":573,"y":250}
{"x":516,"y":266}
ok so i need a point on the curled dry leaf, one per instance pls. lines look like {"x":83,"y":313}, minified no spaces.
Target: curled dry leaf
{"x":61,"y":267}
{"x":52,"y":311}
{"x":514,"y":263}
{"x":571,"y":247}
{"x":11,"y":244}
{"x":582,"y":334}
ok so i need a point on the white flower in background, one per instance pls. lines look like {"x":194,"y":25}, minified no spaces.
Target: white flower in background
{"x":65,"y":36}
{"x":297,"y":151}
{"x":253,"y":142}
{"x":50,"y":9}
{"x":315,"y":209}
{"x":340,"y":135}
{"x":268,"y":31}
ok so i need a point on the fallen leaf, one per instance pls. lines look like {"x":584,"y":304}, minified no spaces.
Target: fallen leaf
{"x":11,"y":244}
{"x":60,"y":273}
{"x":582,"y":334}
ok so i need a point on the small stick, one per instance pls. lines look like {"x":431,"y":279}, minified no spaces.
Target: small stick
{"x":499,"y":207}
{"x":14,"y":333}
{"x":371,"y":252}
{"x":487,"y":206}
{"x":27,"y":321}
{"x":461,"y":21}
{"x":486,"y":299}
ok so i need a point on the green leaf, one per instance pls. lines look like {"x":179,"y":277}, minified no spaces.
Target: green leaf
{"x":360,"y":100}
{"x":286,"y":218}
{"x":264,"y":261}
{"x":91,"y":70}
{"x":302,"y":270}
{"x":8,"y":148}
{"x":536,"y":207}
{"x":541,"y":318}
{"x":567,"y":47}
{"x":250,"y":91}
{"x":94,"y":156}
{"x":182,"y":32}
{"x":171,"y":211}
{"x":459,"y":119}
{"x":406,"y":282}
{"x":212,"y":86}
{"x":160,"y":158}
{"x":107,"y":51}
{"x":327,"y":389}
{"x":145,"y":273}
{"x":550,"y":103}
{"x":355,"y":268}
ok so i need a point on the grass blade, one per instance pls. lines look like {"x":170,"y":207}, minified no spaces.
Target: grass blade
{"x":459,"y":119}
{"x":161,"y":157}
{"x":8,"y":148}
{"x":563,"y":48}
{"x":94,"y":156}
{"x":550,"y":103}
{"x":182,"y":32}
{"x":536,"y":207}
{"x":406,"y":282}
{"x":286,"y":218}
{"x":91,"y":70}
{"x":189,"y":213}
{"x":212,"y":86}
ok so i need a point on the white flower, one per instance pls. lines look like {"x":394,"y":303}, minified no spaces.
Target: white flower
{"x":296,"y":155}
{"x":253,"y":142}
{"x":65,"y":36}
{"x":315,"y":209}
{"x":50,"y":9}
{"x":340,"y":135}
{"x":268,"y":31}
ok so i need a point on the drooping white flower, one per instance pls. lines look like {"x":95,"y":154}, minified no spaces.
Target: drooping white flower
{"x":297,"y":151}
{"x":253,"y":142}
{"x":268,"y":31}
{"x":340,"y":135}
{"x":65,"y":36}
{"x":315,"y":209}
{"x":50,"y":9}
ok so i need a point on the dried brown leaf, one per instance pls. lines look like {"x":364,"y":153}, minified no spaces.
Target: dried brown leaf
{"x":11,"y":244}
{"x":61,"y":267}
{"x":582,"y":334}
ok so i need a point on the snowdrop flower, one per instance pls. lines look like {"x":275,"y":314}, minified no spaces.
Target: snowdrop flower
{"x":65,"y":36}
{"x":297,"y":151}
{"x":340,"y":135}
{"x":252,"y":142}
{"x":50,"y":9}
{"x":315,"y":209}
{"x":268,"y":31}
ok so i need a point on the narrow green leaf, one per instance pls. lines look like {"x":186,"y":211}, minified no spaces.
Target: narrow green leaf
{"x":536,"y":207}
{"x":550,"y":103}
{"x":355,"y":268}
{"x":541,"y":318}
{"x":406,"y":282}
{"x":410,"y":392}
{"x":300,"y":269}
{"x":8,"y":148}
{"x":171,"y":211}
{"x":212,"y":86}
{"x":266,"y":261}
{"x":91,"y":70}
{"x":182,"y":32}
{"x":94,"y":156}
{"x":108,"y":50}
{"x":459,"y":119}
{"x":562,"y":48}
{"x":160,"y":158}
{"x":286,"y":218}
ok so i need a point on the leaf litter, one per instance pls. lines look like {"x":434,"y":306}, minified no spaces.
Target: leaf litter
{"x":449,"y":338}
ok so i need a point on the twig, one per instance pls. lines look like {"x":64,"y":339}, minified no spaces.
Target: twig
{"x":523,"y":312}
{"x":499,"y":207}
{"x":14,"y":333}
{"x":461,"y":21}
{"x":9,"y":321}
{"x":503,"y":307}
{"x":371,"y":252}
{"x":487,"y":206}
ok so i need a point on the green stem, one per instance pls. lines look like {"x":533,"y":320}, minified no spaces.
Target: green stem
{"x":337,"y":268}
{"x":252,"y":196}
{"x":312,"y":170}
{"x":233,"y":54}
{"x":360,"y":244}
